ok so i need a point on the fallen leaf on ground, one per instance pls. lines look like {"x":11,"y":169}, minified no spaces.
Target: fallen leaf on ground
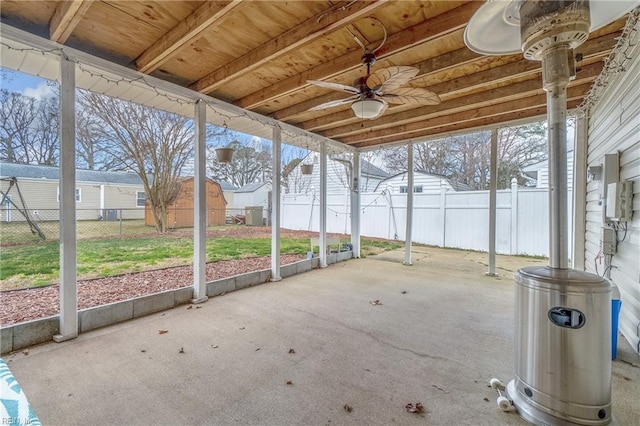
{"x":439,"y":388}
{"x":223,"y":293}
{"x":417,"y":409}
{"x":486,"y":399}
{"x":348,"y":408}
{"x":190,"y":307}
{"x":214,"y":346}
{"x":404,"y":292}
{"x":181,"y":351}
{"x":163,"y":331}
{"x":143,"y":350}
{"x":288,"y":382}
{"x":198,"y":307}
{"x":241,"y":328}
{"x":376,"y":302}
{"x":26,"y":352}
{"x":291,"y":351}
{"x":257,"y":349}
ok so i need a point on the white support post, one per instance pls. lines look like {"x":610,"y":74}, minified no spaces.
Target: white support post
{"x":323,"y":205}
{"x":409,"y":225}
{"x":579,"y":193}
{"x":200,"y":206}
{"x":68,"y":246}
{"x":275,"y":204}
{"x":493,"y":188}
{"x":355,"y":206}
{"x":514,"y":216}
{"x":443,"y":215}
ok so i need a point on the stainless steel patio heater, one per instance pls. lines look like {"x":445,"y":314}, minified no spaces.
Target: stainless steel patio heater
{"x":562,"y":324}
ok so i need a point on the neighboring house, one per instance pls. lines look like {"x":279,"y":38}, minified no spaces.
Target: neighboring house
{"x":422,"y":182}
{"x":251,"y":195}
{"x":228,"y":191}
{"x":180,"y":212}
{"x":99,"y":194}
{"x":338,"y":176}
{"x":539,"y":172}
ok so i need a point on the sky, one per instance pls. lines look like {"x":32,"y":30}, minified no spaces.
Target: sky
{"x":26,"y":84}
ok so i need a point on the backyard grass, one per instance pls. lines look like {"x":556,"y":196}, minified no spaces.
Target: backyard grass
{"x":38,"y":265}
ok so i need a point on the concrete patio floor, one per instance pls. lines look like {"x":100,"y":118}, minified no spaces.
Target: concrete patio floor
{"x":228,"y":361}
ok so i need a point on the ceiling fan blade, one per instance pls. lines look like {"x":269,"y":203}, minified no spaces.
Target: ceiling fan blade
{"x":411,"y":95}
{"x":335,"y":103}
{"x":334,"y":86}
{"x":386,"y":79}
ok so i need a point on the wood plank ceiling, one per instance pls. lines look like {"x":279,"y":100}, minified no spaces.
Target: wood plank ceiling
{"x":259,"y":55}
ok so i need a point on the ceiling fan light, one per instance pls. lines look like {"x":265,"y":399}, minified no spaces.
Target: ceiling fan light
{"x":367,"y":108}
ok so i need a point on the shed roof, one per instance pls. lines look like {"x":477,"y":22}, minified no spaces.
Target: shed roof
{"x":251,"y":187}
{"x":457,"y":186}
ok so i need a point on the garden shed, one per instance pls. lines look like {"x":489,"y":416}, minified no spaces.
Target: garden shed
{"x":180,"y":211}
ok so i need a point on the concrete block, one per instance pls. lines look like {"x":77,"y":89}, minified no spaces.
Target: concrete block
{"x":33,"y":332}
{"x":332,"y":258}
{"x":265,"y":275}
{"x":303,"y":266}
{"x":6,"y":339}
{"x":345,"y":255}
{"x":288,"y":270}
{"x":182,"y":296}
{"x":247,"y":280}
{"x":153,"y":303}
{"x":104,"y":315}
{"x":315,"y":262}
{"x":225,"y":285}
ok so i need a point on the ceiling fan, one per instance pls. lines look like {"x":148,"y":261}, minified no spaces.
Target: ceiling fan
{"x":372,"y":93}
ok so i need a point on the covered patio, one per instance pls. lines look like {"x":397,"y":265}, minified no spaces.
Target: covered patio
{"x":441,"y":328}
{"x":437,"y":344}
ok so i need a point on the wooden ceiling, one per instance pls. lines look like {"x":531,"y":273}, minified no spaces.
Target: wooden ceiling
{"x":259,"y":54}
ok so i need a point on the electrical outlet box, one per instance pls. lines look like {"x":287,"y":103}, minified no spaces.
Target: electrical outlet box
{"x":608,"y":241}
{"x":619,"y":201}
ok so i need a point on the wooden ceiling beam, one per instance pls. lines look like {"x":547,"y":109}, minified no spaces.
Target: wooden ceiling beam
{"x":445,"y":23}
{"x":470,"y":126}
{"x":587,"y":74}
{"x":66,"y":17}
{"x":418,"y":128}
{"x":183,"y":34}
{"x":303,"y":33}
{"x":592,"y":50}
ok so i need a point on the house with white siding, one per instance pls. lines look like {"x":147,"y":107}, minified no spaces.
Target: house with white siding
{"x":612,"y":131}
{"x":539,"y":172}
{"x":422,"y":182}
{"x":338,"y":176}
{"x":99,"y":194}
{"x":256,"y":194}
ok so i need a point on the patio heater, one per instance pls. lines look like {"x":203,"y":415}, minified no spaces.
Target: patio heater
{"x":562,"y":324}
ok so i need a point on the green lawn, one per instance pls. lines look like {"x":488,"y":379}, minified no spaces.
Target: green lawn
{"x":37,"y":265}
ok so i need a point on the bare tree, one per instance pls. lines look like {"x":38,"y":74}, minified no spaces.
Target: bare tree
{"x":248,"y":165}
{"x":18,"y":114}
{"x":152,"y":143}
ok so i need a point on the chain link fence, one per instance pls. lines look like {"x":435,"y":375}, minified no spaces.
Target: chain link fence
{"x":44,"y":224}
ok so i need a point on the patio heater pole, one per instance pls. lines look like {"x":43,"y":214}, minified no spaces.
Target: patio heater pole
{"x":200,"y":206}
{"x":493,"y":186}
{"x":68,"y":241}
{"x":275,"y":204}
{"x":409,"y":224}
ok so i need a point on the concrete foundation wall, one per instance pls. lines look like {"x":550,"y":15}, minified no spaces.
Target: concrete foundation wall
{"x":23,"y":335}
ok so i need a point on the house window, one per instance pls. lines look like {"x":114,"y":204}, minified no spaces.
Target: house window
{"x":416,"y":188}
{"x":141,"y":198}
{"x":78,"y":195}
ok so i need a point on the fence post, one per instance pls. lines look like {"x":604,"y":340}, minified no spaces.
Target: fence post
{"x":514,"y":217}
{"x":120,"y":211}
{"x":443,"y":215}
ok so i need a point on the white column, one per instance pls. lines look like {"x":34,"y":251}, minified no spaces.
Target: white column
{"x":68,"y":266}
{"x":493,"y":187}
{"x":579,"y":193}
{"x":514,"y":216}
{"x":409,"y":225}
{"x":200,"y":206}
{"x":443,"y":215}
{"x":355,"y":205}
{"x":323,"y":205}
{"x":275,"y":204}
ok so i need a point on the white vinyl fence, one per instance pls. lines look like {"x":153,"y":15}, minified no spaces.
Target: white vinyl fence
{"x":444,"y":219}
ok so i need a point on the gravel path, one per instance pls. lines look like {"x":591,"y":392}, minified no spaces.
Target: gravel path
{"x":24,"y":305}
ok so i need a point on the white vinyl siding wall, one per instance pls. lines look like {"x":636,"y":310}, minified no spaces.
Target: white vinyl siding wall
{"x":614,"y":126}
